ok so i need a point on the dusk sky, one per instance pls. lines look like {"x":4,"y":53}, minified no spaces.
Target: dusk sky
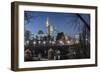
{"x":69,"y":23}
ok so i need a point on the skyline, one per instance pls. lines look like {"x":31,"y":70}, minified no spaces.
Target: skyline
{"x":69,"y":23}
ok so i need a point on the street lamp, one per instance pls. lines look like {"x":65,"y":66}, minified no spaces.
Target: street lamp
{"x":44,"y":42}
{"x":34,"y":43}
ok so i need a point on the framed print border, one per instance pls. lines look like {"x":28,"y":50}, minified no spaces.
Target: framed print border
{"x":15,"y":34}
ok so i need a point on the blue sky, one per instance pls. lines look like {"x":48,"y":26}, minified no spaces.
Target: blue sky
{"x":69,"y":23}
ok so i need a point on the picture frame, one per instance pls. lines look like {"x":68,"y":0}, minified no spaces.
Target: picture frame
{"x":47,"y":51}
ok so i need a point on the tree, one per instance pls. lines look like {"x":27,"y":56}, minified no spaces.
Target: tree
{"x":40,"y":32}
{"x":27,"y":35}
